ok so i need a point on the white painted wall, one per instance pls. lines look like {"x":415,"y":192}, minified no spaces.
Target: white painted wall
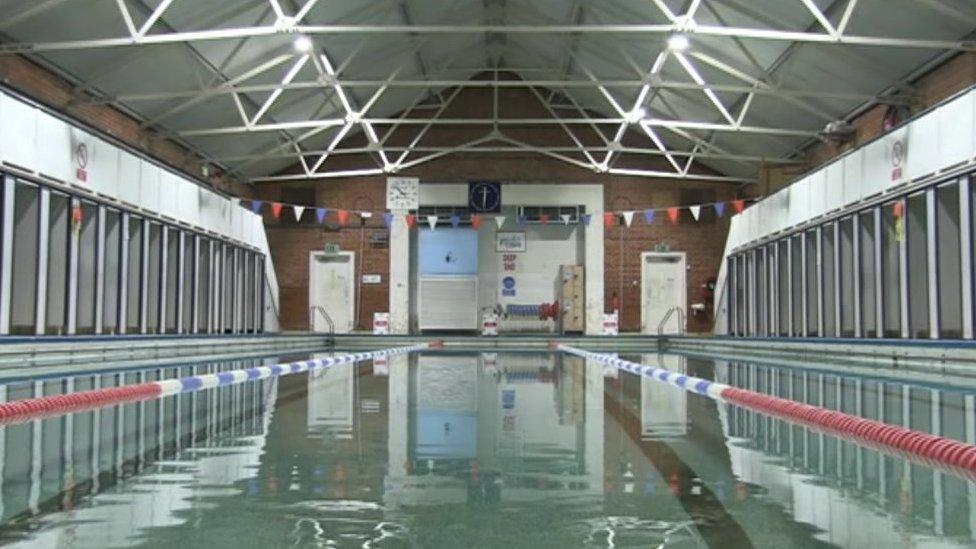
{"x":536,"y":269}
{"x":575,"y":245}
{"x":36,"y":143}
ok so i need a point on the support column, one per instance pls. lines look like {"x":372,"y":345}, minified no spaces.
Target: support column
{"x":804,"y":323}
{"x":820,"y":283}
{"x":99,"y":269}
{"x":123,"y":274}
{"x":6,"y":250}
{"x":399,"y":280}
{"x":163,"y":276}
{"x":856,"y":268}
{"x":966,"y":254}
{"x":74,"y":246}
{"x":932,"y":257}
{"x":44,"y":212}
{"x":878,"y":273}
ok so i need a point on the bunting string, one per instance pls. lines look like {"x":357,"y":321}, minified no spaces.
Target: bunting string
{"x":624,"y":218}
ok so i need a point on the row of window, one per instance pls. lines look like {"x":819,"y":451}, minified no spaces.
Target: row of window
{"x":901,"y":269}
{"x":70,"y":265}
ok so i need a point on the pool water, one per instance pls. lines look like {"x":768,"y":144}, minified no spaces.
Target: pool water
{"x":479,"y":450}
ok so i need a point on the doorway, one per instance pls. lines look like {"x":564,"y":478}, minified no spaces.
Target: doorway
{"x":663,"y":288}
{"x":332,"y":290}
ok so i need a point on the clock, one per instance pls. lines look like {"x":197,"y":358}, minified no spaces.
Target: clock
{"x":402,"y":193}
{"x":485,"y":196}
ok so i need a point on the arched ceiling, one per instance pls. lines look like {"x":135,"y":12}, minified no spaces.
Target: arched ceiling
{"x":759,"y":79}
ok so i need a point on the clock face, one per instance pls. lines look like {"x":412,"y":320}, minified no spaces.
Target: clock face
{"x":402,"y":193}
{"x":484,"y":197}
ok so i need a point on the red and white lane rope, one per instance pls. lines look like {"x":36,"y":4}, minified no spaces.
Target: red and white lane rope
{"x":927,"y":449}
{"x":19,"y":411}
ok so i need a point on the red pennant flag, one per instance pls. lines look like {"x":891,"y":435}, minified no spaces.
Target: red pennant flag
{"x":739,"y":205}
{"x":276,"y":209}
{"x":410,"y":219}
{"x":475,"y":221}
{"x":608,"y":219}
{"x":544,"y":218}
{"x":673,"y":213}
{"x":343,"y":217}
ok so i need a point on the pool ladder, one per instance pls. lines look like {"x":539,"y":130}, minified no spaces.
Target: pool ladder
{"x":330,"y":340}
{"x":667,"y":317}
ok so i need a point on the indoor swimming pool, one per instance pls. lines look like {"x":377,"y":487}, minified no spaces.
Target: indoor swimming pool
{"x":478,"y":449}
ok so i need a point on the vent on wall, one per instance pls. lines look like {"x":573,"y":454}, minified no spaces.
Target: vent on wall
{"x":534,"y":214}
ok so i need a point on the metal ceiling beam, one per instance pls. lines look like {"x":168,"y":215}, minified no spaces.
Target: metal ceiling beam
{"x":652,"y":122}
{"x":604,"y":29}
{"x":765,"y":89}
{"x":500,"y":149}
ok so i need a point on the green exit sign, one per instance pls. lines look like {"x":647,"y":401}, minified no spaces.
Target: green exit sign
{"x":662,"y":247}
{"x":331,"y":248}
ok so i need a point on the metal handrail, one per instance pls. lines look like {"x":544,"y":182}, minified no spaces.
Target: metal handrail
{"x":667,"y":317}
{"x":328,"y":320}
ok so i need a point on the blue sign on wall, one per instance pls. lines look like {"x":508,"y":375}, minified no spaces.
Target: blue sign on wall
{"x":448,"y":252}
{"x":508,"y":286}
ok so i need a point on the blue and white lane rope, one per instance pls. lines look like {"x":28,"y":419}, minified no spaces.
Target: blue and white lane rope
{"x":19,"y":411}
{"x":207,"y":381}
{"x":693,"y":384}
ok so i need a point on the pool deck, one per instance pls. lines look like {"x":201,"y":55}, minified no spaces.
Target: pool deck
{"x":896,"y":357}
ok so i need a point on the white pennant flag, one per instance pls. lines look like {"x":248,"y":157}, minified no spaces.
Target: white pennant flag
{"x":695,"y":211}
{"x":432,"y":221}
{"x":499,"y":220}
{"x":298,"y":212}
{"x":566,"y":218}
{"x":628,"y":218}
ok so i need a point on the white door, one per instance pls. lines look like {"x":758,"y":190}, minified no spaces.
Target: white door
{"x":331,"y":286}
{"x":663,"y":288}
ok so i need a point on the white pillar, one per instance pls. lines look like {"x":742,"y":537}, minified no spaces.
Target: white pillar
{"x":399,"y":274}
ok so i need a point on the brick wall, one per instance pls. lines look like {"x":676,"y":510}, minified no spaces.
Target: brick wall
{"x":703,"y":241}
{"x":45,"y":87}
{"x":291,"y":243}
{"x":942,"y":82}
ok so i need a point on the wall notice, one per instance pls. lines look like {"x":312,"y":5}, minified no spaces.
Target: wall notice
{"x":508,"y":286}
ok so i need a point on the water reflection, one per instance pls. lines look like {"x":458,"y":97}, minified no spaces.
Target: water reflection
{"x":479,"y":449}
{"x":855,"y":496}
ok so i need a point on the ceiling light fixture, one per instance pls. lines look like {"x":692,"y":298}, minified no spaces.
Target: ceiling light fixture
{"x":636,"y":115}
{"x":303,"y":44}
{"x":678,"y":42}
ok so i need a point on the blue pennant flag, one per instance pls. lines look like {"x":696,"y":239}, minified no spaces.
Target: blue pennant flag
{"x":455,"y":220}
{"x":586,"y":219}
{"x":388,"y":219}
{"x":256,"y":206}
{"x":648,"y":216}
{"x":320,"y":214}
{"x":720,"y":208}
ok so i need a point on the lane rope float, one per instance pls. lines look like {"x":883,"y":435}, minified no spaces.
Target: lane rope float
{"x":930,"y":450}
{"x":20,"y":411}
